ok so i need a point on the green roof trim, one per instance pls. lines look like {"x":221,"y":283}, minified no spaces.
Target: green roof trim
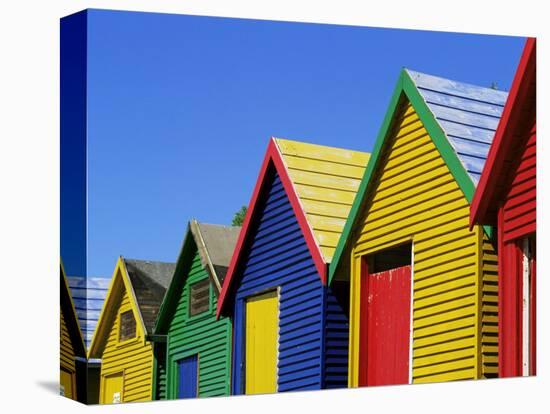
{"x":405,"y":89}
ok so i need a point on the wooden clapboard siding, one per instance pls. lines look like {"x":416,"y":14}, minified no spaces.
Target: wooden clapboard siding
{"x":133,"y":357}
{"x":160,"y":371}
{"x":277,"y":256}
{"x":200,"y":334}
{"x":414,"y":196}
{"x":519,"y":206}
{"x":312,"y":348}
{"x":336,"y":336}
{"x":297,"y":212}
{"x":67,"y":353}
{"x":489,"y":310}
{"x":326,"y":180}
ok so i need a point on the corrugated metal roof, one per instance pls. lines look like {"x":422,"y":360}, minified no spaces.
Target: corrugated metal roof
{"x":88,"y":297}
{"x":326,"y":180}
{"x":468,"y":114}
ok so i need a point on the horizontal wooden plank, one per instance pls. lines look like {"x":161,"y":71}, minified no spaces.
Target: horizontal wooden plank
{"x":321,"y":152}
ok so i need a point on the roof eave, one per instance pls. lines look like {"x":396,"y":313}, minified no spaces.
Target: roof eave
{"x":405,"y":88}
{"x":486,"y":192}
{"x":272,"y":158}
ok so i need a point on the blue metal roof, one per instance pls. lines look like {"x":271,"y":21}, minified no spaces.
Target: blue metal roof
{"x":88,"y":297}
{"x":468,"y":114}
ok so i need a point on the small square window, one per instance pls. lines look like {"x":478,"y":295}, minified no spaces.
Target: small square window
{"x":199,"y":301}
{"x":127,"y":328}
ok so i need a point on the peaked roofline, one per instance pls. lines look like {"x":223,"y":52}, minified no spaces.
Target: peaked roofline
{"x":502,"y":145}
{"x":203,"y":253}
{"x":404,"y":89}
{"x":272,"y":159}
{"x":76,"y":333}
{"x":165,"y":305}
{"x":97,"y":337}
{"x":191,"y":235}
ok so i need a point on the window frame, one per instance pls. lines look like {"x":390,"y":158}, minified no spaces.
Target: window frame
{"x":119,"y":316}
{"x":191,"y":315}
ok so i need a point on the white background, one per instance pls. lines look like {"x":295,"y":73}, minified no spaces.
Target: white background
{"x":29,"y":203}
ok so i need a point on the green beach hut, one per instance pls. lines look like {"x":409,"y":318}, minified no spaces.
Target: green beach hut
{"x":192,"y":348}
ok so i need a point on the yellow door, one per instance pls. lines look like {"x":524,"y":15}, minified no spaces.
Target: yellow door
{"x":262,"y":331}
{"x":66,"y":384}
{"x":112,"y":389}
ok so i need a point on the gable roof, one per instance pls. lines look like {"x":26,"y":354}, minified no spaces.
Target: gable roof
{"x":321,"y":183}
{"x":215,"y":244}
{"x":460,"y":119}
{"x":69,"y":315}
{"x":149,"y":281}
{"x":146,"y":283}
{"x":468,"y":114}
{"x":88,"y":295}
{"x":522,"y":97}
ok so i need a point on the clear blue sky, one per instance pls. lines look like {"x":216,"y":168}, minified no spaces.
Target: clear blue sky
{"x":181,"y":108}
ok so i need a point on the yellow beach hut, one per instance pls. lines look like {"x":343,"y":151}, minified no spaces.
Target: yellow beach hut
{"x":121,"y":339}
{"x":423,"y":291}
{"x":71,"y":344}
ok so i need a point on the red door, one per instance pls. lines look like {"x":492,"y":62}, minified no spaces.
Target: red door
{"x":385,"y":327}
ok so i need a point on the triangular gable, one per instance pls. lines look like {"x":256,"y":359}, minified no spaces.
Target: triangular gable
{"x":69,"y":313}
{"x":458,"y":118}
{"x":213,"y":255}
{"x":326,"y":180}
{"x":119,"y":282}
{"x":503,"y":150}
{"x":286,"y":158}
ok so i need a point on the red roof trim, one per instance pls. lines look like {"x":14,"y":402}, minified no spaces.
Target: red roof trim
{"x":272,"y":158}
{"x":504,"y":139}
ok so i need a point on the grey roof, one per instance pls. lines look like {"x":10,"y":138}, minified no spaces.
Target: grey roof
{"x":215,"y":244}
{"x":149,"y":281}
{"x":468,"y":115}
{"x":88,"y":297}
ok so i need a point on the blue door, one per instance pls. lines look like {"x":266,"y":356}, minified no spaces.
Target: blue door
{"x":188,"y":377}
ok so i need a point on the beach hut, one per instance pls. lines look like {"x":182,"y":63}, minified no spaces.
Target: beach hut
{"x":71,"y":344}
{"x":196,"y":360}
{"x":121,"y":339}
{"x":88,"y":294}
{"x":289,"y":330}
{"x":423,"y":300}
{"x":506,"y":198}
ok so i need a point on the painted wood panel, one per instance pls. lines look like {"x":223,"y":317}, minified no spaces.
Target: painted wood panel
{"x":67,"y":353}
{"x":133,"y":357}
{"x":326,"y":180}
{"x":312,"y":351}
{"x":67,"y":382}
{"x":520,"y":213}
{"x":188,"y":377}
{"x":159,"y":377}
{"x":201,"y":334}
{"x":489,"y":309}
{"x":415,"y":197}
{"x":112,"y":388}
{"x":262,"y":343}
{"x":277,"y":257}
{"x":336,"y":338}
{"x":386,"y":322}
